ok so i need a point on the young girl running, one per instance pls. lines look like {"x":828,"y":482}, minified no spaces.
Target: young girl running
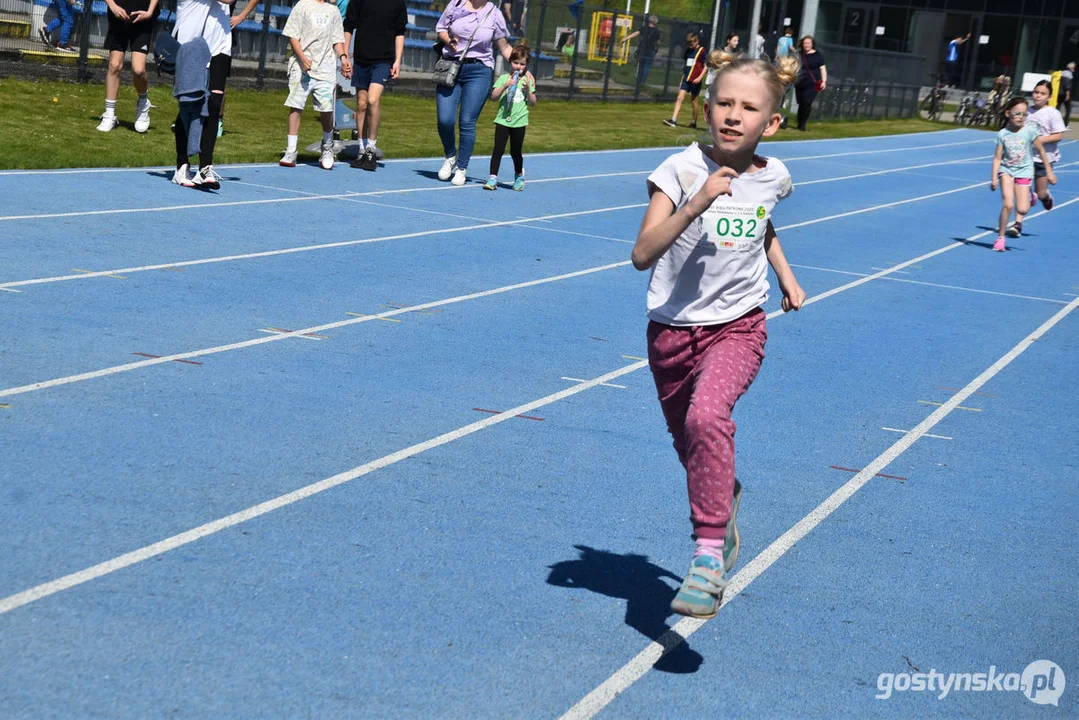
{"x":514,"y":94}
{"x":706,"y":235}
{"x":1013,"y":168}
{"x":1050,"y":126}
{"x":712,"y":64}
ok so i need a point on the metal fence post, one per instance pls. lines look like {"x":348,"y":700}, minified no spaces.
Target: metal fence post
{"x":670,"y":53}
{"x":264,"y":40}
{"x":539,"y":28}
{"x":576,"y":49}
{"x":610,"y":54}
{"x":83,"y":71}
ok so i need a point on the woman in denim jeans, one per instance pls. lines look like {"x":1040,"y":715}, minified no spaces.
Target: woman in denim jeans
{"x":467,"y":96}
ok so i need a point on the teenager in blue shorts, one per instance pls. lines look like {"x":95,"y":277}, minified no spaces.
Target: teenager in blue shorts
{"x":379,"y":30}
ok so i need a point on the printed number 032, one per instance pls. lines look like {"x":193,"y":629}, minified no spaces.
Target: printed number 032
{"x":737,"y":227}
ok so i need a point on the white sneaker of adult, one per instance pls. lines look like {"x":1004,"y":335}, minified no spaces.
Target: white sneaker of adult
{"x":108,"y":123}
{"x":181,"y":177}
{"x":447,"y":168}
{"x":142,"y":116}
{"x":458,"y":177}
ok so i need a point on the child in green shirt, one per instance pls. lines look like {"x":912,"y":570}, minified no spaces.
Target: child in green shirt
{"x":515,"y":93}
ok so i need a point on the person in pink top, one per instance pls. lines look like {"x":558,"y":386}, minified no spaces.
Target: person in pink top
{"x":480,"y":21}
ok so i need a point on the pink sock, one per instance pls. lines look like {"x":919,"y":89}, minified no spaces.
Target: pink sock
{"x":707,"y":546}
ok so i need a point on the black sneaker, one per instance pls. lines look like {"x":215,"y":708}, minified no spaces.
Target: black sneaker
{"x":43,"y":33}
{"x":693,"y":126}
{"x":1015,"y":230}
{"x":67,"y":47}
{"x":370,"y":160}
{"x":670,"y":123}
{"x":1047,"y":202}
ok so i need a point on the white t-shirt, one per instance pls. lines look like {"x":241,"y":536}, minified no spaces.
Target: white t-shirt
{"x":716,"y":271}
{"x":208,"y":18}
{"x":317,"y":26}
{"x":1048,"y":121}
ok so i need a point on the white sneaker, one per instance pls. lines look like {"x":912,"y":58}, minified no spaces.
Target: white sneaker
{"x":142,"y":116}
{"x":326,"y":159}
{"x":447,"y":168}
{"x":108,"y":123}
{"x":206,"y":179}
{"x":181,"y":178}
{"x":289,"y":158}
{"x":458,"y":177}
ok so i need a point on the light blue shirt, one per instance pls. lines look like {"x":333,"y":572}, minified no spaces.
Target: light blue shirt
{"x":1018,"y":157}
{"x":785,"y":46}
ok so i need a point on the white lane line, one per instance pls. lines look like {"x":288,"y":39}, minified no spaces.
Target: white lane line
{"x":306,"y":197}
{"x":957,"y":407}
{"x":880,"y":268}
{"x":579,"y":380}
{"x":291,"y":334}
{"x":936,"y":285}
{"x":319,"y":328}
{"x":335,"y":196}
{"x":171,"y":543}
{"x":559,"y":153}
{"x":10,"y":290}
{"x":309,"y":248}
{"x":928,"y":435}
{"x":422,"y":233}
{"x":985,"y":141}
{"x":68,"y":581}
{"x":636,"y":668}
{"x":890,"y":170}
{"x":286,"y":335}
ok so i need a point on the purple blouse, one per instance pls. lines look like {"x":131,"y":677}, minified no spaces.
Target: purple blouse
{"x":459,"y":22}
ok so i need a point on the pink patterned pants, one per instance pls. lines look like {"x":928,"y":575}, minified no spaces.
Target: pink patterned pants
{"x":700,"y":373}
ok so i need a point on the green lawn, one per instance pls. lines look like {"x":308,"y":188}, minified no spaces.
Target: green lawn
{"x":52,"y":125}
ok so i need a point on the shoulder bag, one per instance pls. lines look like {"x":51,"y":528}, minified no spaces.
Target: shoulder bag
{"x":446,"y":70}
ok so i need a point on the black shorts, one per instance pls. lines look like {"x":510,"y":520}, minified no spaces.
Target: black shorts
{"x":124,"y":36}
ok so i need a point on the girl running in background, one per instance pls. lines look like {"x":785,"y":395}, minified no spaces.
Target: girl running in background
{"x":707,"y":236}
{"x":1050,"y":126}
{"x":514,"y":94}
{"x":1013,"y":167}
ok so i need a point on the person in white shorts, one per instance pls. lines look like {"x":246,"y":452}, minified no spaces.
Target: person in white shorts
{"x":316,"y":39}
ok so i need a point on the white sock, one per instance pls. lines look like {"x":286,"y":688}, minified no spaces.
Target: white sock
{"x":292,"y":140}
{"x":327,"y":136}
{"x":364,"y":143}
{"x":371,"y":144}
{"x":110,"y":108}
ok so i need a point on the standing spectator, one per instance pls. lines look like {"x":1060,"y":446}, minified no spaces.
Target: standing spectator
{"x":461,"y":104}
{"x":732,"y":44}
{"x":65,"y":19}
{"x":646,"y":48}
{"x":131,"y":23}
{"x":317,"y":41}
{"x":811,"y":80}
{"x":756,"y":45}
{"x":514,"y":13}
{"x":951,"y":61}
{"x":1064,"y":93}
{"x":210,"y":20}
{"x":693,"y":73}
{"x":379,"y":26}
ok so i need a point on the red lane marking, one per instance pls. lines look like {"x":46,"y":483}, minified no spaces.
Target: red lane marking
{"x":157,"y":357}
{"x":499,"y":412}
{"x":890,"y":477}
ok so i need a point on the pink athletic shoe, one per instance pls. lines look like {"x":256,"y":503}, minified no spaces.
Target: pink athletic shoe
{"x":999,"y":245}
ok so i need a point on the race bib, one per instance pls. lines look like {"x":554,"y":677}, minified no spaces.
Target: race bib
{"x":691,"y":62}
{"x":734,"y":226}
